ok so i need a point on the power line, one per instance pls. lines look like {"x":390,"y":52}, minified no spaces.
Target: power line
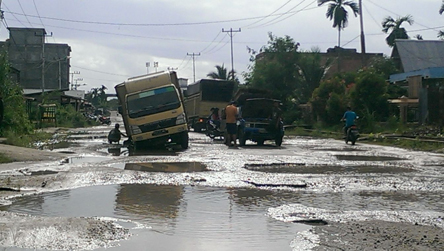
{"x":269,"y":14}
{"x":38,"y":14}
{"x":21,"y":7}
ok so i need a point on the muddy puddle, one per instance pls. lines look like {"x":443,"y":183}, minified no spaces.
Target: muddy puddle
{"x":301,"y":168}
{"x":177,"y":217}
{"x":367,"y":158}
{"x":167,"y":167}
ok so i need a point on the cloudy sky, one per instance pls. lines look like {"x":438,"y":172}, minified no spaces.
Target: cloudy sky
{"x":112,"y":40}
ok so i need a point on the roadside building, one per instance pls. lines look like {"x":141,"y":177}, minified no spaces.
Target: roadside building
{"x":422,"y":66}
{"x":37,"y":73}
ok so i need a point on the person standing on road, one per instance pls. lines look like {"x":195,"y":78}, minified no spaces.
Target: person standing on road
{"x":349,"y":118}
{"x":276,"y":116}
{"x":231,"y":115}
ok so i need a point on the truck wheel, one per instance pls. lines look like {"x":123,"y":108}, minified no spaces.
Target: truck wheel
{"x":278,"y":140}
{"x":242,"y":138}
{"x":184,"y":140}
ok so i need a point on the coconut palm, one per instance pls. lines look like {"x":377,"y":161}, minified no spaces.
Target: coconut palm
{"x":442,"y":8}
{"x":397,"y":32}
{"x":336,"y":11}
{"x":221,"y":73}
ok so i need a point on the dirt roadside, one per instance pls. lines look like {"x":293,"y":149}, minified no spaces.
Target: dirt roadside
{"x":23,"y":154}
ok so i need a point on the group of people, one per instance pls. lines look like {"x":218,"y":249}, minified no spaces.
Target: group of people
{"x":231,"y":115}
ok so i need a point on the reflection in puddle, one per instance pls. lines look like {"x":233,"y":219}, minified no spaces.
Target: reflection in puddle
{"x":180,"y":218}
{"x":167,"y":167}
{"x":325,"y":169}
{"x":85,"y":159}
{"x":366,"y":158}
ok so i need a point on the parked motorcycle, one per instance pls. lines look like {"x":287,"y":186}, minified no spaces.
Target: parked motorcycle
{"x":352,"y":134}
{"x":104,"y":120}
{"x":213,"y":129}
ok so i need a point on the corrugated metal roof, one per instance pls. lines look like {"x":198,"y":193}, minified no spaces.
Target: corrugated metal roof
{"x":420,"y":54}
{"x":435,"y":72}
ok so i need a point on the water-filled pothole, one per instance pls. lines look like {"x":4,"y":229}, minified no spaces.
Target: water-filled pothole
{"x":167,"y":167}
{"x":367,"y":158}
{"x":300,"y":168}
{"x":178,"y":217}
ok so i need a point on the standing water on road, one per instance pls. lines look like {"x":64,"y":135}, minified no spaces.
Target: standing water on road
{"x":176,"y":217}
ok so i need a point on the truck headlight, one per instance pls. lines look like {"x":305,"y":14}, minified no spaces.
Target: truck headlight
{"x":135,"y":129}
{"x":180,"y":119}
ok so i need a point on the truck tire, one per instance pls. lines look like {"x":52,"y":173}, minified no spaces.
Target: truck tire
{"x":278,"y":140}
{"x":242,"y":138}
{"x":184,"y":140}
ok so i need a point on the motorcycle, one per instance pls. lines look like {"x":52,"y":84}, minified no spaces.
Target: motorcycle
{"x":213,"y":129}
{"x":352,"y":134}
{"x":105,"y":120}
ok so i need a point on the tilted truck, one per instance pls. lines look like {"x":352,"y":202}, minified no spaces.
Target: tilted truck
{"x":152,"y":110}
{"x":203,"y":95}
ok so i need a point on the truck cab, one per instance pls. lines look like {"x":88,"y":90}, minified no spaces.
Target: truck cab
{"x":152,"y":110}
{"x":257,"y":123}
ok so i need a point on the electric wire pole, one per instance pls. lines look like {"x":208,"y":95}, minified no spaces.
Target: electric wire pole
{"x":230,"y":32}
{"x":194,"y":66}
{"x":362,"y":28}
{"x":43,"y":35}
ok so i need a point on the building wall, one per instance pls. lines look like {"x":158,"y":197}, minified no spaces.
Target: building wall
{"x":25,"y":47}
{"x":347,"y":60}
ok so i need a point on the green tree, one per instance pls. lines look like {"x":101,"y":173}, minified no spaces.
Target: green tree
{"x":15,"y":118}
{"x":336,"y":11}
{"x":441,"y":10}
{"x":369,"y":95}
{"x":329,"y":100}
{"x":222,"y":73}
{"x":275,"y":68}
{"x":394,"y":27}
{"x":312,"y":71}
{"x":97,"y":96}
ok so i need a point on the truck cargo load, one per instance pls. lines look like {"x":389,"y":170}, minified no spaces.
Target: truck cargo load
{"x":203,"y":95}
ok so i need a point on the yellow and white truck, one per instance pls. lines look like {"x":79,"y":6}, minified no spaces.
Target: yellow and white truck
{"x":203,"y":95}
{"x":153,"y":111}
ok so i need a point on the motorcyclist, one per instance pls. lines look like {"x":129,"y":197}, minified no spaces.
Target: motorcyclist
{"x":214,"y":116}
{"x":349,"y":118}
{"x":115,"y":134}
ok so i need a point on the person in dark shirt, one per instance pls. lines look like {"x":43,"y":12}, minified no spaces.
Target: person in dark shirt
{"x":115,"y":134}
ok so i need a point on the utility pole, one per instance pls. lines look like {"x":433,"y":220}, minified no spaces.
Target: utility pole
{"x":44,"y":35}
{"x":194,"y":65}
{"x":72,"y":78}
{"x":362,"y":28}
{"x":230,"y":32}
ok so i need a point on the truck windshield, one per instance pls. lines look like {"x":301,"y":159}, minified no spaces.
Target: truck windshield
{"x":152,"y":101}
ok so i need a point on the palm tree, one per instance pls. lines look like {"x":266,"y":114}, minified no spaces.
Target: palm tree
{"x":397,"y":32}
{"x":221,"y":73}
{"x":336,"y":11}
{"x":442,"y":8}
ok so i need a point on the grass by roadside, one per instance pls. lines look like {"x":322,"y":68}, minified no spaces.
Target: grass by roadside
{"x":4,"y":159}
{"x":430,"y":142}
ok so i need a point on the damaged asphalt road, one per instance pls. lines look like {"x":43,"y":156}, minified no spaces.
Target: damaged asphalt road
{"x":359,"y":197}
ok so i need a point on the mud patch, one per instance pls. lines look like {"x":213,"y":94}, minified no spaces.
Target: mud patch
{"x":44,"y":172}
{"x":167,"y":167}
{"x":301,"y":168}
{"x":367,"y":158}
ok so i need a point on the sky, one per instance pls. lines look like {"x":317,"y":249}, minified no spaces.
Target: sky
{"x":112,"y":40}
